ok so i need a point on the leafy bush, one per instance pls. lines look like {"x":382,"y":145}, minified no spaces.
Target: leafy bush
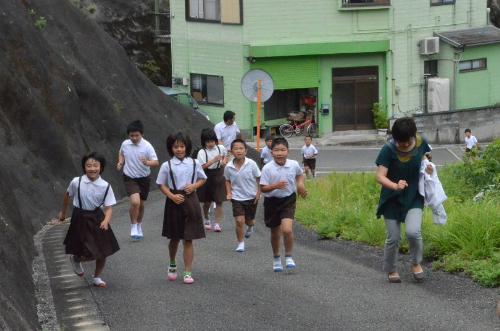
{"x":380,"y":118}
{"x":41,"y":23}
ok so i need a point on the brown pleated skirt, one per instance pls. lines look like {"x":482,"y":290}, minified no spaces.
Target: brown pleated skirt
{"x":183,"y":221}
{"x":214,"y":188}
{"x":86,"y":239}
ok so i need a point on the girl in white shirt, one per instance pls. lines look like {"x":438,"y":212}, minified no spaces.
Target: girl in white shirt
{"x":89,"y":235}
{"x":178,"y":179}
{"x":212,"y":158}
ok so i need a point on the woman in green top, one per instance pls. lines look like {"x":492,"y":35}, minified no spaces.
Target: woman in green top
{"x":398,"y":172}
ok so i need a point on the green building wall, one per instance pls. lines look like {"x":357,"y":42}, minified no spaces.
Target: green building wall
{"x":217,"y":49}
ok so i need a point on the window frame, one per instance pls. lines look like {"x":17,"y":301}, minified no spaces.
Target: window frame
{"x":430,"y":65}
{"x":443,"y":3}
{"x":374,"y":3}
{"x":201,"y":102}
{"x":472,"y":69}
{"x":203,"y":20}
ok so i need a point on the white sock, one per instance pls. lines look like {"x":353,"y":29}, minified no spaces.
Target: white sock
{"x":241,"y":245}
{"x":133,"y":229}
{"x":139,"y":228}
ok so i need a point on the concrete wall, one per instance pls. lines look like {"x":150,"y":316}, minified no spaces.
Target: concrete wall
{"x":448,"y":127}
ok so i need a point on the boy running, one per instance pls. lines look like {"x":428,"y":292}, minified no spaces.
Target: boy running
{"x":242,"y":187}
{"x":136,"y":156}
{"x":279,"y":182}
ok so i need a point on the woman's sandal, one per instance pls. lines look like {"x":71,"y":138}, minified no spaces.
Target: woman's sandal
{"x":393,"y":278}
{"x":98,"y":282}
{"x":418,"y":276}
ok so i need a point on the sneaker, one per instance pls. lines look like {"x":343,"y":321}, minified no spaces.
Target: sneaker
{"x":241,"y":247}
{"x":172,"y":273}
{"x":77,"y":266}
{"x":188,"y":279}
{"x":248,"y":232}
{"x":277,"y":266}
{"x":133,"y":232}
{"x":289,"y":262}
{"x":208,"y":225}
{"x":140,"y":235}
{"x":98,"y":282}
{"x":217,"y":227}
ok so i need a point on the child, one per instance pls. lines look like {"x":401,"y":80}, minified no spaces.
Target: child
{"x":89,"y":235}
{"x":136,"y":156}
{"x":242,"y":186}
{"x":265,"y":154}
{"x":470,"y":140}
{"x":280,"y":179}
{"x":178,"y":179}
{"x":309,"y":154}
{"x":212,"y":158}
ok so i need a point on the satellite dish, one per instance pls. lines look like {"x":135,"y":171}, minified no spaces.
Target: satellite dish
{"x":250,"y":85}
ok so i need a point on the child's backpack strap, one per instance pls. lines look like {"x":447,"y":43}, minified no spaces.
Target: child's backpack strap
{"x":194,"y":171}
{"x":105,"y":195}
{"x":206,"y":154}
{"x":171,"y":175}
{"x":79,"y":198}
{"x":218,"y":163}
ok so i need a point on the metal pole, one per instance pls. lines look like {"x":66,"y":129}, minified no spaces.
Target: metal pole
{"x":259,"y":104}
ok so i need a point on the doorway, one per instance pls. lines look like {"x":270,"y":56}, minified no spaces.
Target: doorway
{"x":355,"y":90}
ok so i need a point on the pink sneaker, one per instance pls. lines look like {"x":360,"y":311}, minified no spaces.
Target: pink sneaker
{"x":217,"y":227}
{"x":208,"y":225}
{"x":172,"y":273}
{"x":188,"y":279}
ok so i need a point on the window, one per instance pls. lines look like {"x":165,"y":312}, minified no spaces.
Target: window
{"x":364,"y":3}
{"x":215,"y":11}
{"x":472,"y":65}
{"x":442,"y":2}
{"x":430,"y":68}
{"x":207,"y":89}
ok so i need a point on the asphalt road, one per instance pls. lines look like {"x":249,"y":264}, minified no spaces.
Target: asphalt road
{"x":336,"y":286}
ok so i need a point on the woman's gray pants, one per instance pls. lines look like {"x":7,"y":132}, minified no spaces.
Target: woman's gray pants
{"x":413,"y":223}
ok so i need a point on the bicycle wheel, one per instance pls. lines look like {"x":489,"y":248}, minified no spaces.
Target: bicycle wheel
{"x":286,"y":130}
{"x":312,"y":130}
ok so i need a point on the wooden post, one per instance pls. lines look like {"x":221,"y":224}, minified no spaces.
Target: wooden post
{"x":259,"y":105}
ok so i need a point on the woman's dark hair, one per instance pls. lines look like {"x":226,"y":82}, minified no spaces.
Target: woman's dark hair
{"x":279,"y":141}
{"x":228,"y":115}
{"x":404,"y":129}
{"x":135,"y":126}
{"x":96,"y":156}
{"x":241,"y":141}
{"x":207,"y":135}
{"x":467,"y":130}
{"x":178,"y":137}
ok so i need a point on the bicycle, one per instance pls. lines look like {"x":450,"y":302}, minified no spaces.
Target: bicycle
{"x":289,"y":129}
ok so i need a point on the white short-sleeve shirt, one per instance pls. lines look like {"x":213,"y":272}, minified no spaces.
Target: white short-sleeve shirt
{"x":309,"y":151}
{"x":211,"y":153}
{"x":243,"y":181}
{"x":226,"y":133}
{"x":266,"y":155}
{"x":134,"y":168}
{"x":183,"y":173}
{"x":91,"y":193}
{"x":470,"y":142}
{"x":273,"y":173}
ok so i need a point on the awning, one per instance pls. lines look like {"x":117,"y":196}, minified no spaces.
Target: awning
{"x":471,"y":37}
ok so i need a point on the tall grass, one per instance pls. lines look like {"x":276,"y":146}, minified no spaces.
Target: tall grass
{"x":344,"y":205}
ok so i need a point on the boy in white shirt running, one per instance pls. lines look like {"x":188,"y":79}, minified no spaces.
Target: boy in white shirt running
{"x":470,"y":141}
{"x":136,"y":156}
{"x":279,"y":182}
{"x":242,"y":186}
{"x":309,"y":154}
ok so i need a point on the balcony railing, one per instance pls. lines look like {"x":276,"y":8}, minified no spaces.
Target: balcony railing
{"x":365,"y":3}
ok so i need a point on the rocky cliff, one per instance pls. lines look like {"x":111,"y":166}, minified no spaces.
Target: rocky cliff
{"x":66,"y":87}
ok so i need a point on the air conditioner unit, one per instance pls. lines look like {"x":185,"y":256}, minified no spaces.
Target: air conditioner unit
{"x":429,"y":46}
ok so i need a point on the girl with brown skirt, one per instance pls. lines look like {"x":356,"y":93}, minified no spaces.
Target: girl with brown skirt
{"x":89,"y":235}
{"x":212,"y":158}
{"x":178,"y":179}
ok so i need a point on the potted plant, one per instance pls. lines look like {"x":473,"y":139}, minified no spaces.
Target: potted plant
{"x":380,"y":119}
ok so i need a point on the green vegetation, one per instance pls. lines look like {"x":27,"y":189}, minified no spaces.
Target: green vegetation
{"x":343,"y":205}
{"x":41,"y":23}
{"x":150,"y":68}
{"x":92,"y":8}
{"x":380,"y":118}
